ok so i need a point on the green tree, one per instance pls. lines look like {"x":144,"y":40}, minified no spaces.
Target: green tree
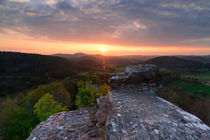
{"x":70,"y":84}
{"x":87,"y":94}
{"x":46,"y":106}
{"x":102,"y":91}
{"x":59,"y":93}
{"x":16,"y":121}
{"x":83,"y":98}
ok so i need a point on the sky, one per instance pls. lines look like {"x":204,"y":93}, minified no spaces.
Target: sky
{"x":123,"y":27}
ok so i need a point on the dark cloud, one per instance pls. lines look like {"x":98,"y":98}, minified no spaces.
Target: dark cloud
{"x":2,"y":1}
{"x":122,"y":22}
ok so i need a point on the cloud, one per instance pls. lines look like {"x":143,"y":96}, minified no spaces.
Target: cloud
{"x":50,"y":2}
{"x":19,"y":0}
{"x":120,"y":22}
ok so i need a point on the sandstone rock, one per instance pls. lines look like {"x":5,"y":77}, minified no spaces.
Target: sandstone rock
{"x":104,"y":107}
{"x":135,"y":74}
{"x":70,"y":125}
{"x":139,"y":115}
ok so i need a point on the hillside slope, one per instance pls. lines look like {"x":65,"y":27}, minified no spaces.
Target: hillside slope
{"x":203,"y":59}
{"x":22,"y":71}
{"x":175,"y":62}
{"x":110,"y":60}
{"x":13,"y":62}
{"x":19,"y":71}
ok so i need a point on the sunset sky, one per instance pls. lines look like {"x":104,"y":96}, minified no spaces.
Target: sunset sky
{"x":123,"y":27}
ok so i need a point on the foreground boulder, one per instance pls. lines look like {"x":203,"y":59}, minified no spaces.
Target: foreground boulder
{"x":136,"y":74}
{"x":84,"y":124}
{"x":71,"y":125}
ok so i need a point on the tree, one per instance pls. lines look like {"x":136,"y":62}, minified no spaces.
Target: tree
{"x":16,"y":121}
{"x":59,"y":93}
{"x":46,"y":106}
{"x":87,"y":94}
{"x":102,"y":91}
{"x":83,"y":98}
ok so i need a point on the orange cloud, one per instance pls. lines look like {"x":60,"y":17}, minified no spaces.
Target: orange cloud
{"x":19,"y":0}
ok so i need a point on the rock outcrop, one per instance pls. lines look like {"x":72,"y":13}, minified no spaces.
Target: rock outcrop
{"x":84,"y":124}
{"x":127,"y":113}
{"x":136,"y":75}
{"x":138,"y":114}
{"x":68,"y":125}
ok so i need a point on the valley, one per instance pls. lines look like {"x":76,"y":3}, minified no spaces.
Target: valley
{"x":25,"y":78}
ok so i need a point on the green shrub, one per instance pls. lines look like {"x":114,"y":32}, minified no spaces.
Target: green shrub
{"x":83,"y":98}
{"x":46,"y":106}
{"x":16,"y":121}
{"x":87,"y":94}
{"x":59,"y":93}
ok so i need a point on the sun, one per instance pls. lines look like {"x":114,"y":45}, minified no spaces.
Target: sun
{"x":103,"y":49}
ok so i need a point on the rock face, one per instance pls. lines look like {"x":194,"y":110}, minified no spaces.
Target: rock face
{"x":138,"y":114}
{"x":68,"y":125}
{"x":129,"y":113}
{"x":135,"y":74}
{"x":104,"y":108}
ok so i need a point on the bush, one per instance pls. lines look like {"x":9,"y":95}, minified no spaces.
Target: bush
{"x":83,"y":98}
{"x":46,"y":106}
{"x":59,"y":93}
{"x":16,"y":121}
{"x":70,"y":84}
{"x":87,"y":94}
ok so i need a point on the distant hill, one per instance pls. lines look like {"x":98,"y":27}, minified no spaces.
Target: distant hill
{"x":19,"y":71}
{"x":86,"y":62}
{"x":13,"y":62}
{"x":110,"y":60}
{"x":71,"y":56}
{"x":203,"y":59}
{"x":176,"y":62}
{"x":138,"y":57}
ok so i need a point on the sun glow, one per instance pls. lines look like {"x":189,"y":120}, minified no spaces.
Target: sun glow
{"x":103,"y":49}
{"x":17,"y":42}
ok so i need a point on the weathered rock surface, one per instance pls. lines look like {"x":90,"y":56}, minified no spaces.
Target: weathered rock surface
{"x":139,"y":115}
{"x":104,"y":109}
{"x":70,"y":125}
{"x":129,"y":113}
{"x":135,"y":74}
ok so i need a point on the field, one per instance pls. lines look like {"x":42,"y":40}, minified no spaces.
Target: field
{"x":192,"y":88}
{"x":203,"y":76}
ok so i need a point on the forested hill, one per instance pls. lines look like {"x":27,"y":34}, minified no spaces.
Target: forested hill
{"x":177,"y":62}
{"x":19,"y":71}
{"x":110,"y":60}
{"x":203,"y":59}
{"x":13,"y":62}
